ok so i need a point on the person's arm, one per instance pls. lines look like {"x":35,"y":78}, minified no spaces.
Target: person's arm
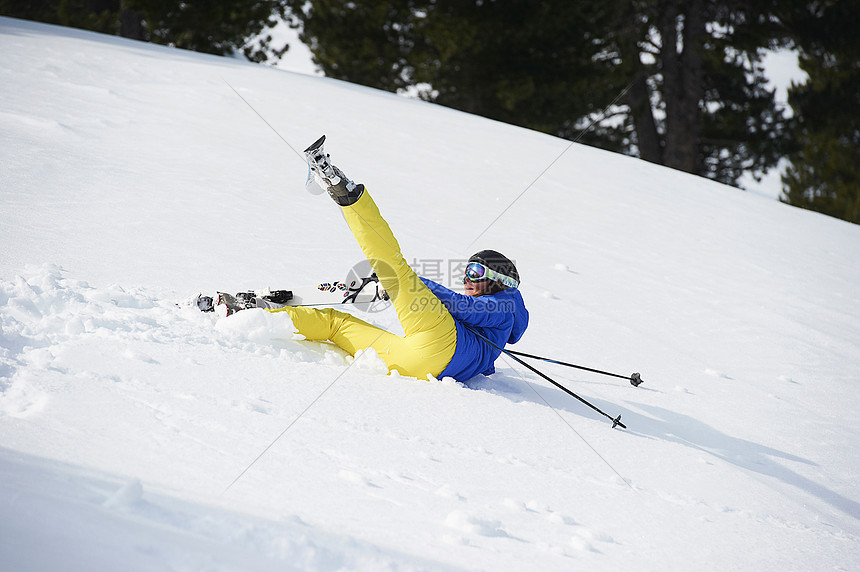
{"x":483,"y":311}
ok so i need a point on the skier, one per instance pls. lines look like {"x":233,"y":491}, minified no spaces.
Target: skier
{"x":439,"y":324}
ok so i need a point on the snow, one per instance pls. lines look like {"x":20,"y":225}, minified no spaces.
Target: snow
{"x":138,"y":435}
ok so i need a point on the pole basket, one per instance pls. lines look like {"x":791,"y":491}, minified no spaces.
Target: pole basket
{"x":635,"y":380}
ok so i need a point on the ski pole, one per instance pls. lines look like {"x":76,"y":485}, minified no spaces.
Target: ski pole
{"x":635,"y":379}
{"x":616,"y":422}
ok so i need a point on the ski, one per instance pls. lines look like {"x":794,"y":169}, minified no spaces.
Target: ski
{"x":364,"y":291}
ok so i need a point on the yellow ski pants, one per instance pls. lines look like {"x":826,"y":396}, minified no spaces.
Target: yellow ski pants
{"x":431,"y":334}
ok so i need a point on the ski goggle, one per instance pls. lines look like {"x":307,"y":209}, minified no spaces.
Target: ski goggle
{"x":477,"y":272}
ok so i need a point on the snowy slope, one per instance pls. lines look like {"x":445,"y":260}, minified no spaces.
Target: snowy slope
{"x":135,"y":435}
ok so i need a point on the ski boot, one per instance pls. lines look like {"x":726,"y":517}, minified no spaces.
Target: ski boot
{"x":342,"y":190}
{"x":233,"y":304}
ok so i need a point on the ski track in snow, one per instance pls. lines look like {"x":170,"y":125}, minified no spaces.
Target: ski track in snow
{"x":132,"y":177}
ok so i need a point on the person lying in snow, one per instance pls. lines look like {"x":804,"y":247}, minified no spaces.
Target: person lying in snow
{"x":439,"y":324}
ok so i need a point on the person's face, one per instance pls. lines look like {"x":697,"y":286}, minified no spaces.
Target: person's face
{"x":476,"y":288}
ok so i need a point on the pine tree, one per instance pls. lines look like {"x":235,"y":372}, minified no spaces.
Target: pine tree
{"x":695,"y":93}
{"x":824,"y":175}
{"x":215,"y":26}
{"x":364,"y":42}
{"x":698,"y":98}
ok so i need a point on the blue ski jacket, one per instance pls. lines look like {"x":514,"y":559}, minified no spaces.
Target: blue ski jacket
{"x":501,"y":317}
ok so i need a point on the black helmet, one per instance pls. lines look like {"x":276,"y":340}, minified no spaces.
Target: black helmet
{"x":496,"y":261}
